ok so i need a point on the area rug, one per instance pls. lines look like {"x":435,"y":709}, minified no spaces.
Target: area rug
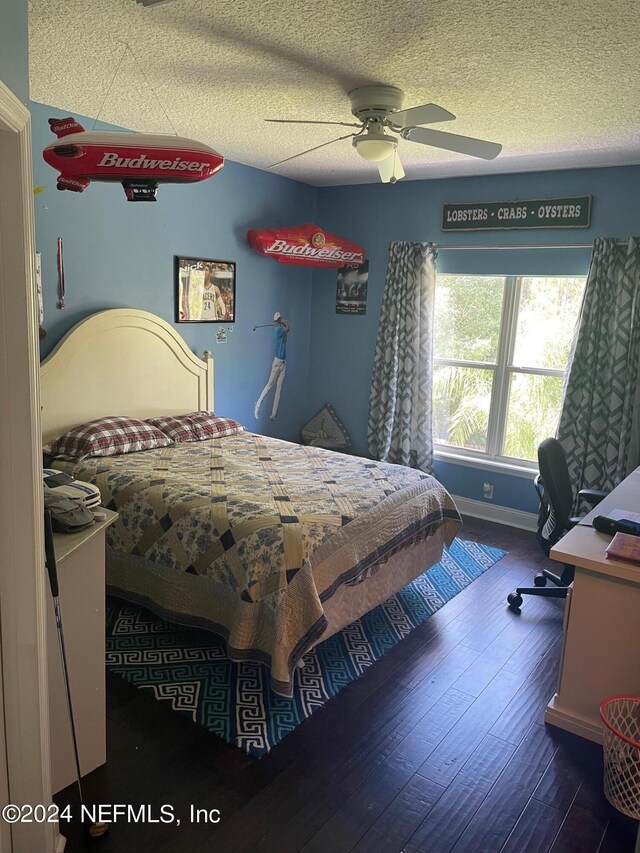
{"x":188,"y":668}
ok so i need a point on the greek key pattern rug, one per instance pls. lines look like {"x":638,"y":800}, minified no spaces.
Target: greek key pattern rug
{"x":188,"y":668}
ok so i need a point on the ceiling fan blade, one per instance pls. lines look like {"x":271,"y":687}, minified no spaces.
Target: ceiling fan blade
{"x":303,"y":121}
{"x":309,"y":150}
{"x":390,"y":169}
{"x":426,"y":114}
{"x":453,"y":142}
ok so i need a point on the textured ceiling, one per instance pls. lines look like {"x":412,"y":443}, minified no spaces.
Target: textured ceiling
{"x":557,"y":82}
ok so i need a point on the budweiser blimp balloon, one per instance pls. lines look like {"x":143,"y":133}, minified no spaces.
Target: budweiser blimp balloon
{"x":306,"y":245}
{"x":139,"y":161}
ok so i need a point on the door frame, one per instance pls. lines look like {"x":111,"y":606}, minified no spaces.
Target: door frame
{"x":24,"y":715}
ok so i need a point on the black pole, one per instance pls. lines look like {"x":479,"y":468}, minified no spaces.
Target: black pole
{"x":96,"y":828}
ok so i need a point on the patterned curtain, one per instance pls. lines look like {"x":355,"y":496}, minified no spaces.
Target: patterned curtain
{"x":400,"y":401}
{"x":600,"y":419}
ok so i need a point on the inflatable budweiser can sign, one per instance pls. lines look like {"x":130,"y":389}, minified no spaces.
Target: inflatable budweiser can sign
{"x":306,"y":245}
{"x":139,"y":161}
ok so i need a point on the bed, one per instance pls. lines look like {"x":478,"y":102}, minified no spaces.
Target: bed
{"x":273,"y":545}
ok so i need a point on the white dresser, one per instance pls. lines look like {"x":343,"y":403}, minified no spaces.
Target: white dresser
{"x":80,"y":558}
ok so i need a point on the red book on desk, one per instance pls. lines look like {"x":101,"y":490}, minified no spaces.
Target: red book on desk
{"x":625,"y":547}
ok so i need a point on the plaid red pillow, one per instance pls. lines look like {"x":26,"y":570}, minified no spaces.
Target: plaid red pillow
{"x":196,"y":426}
{"x":107,"y":437}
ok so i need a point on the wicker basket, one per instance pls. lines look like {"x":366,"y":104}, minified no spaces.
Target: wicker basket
{"x":621,"y":718}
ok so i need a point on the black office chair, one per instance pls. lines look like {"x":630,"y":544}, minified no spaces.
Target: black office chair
{"x":556,"y":501}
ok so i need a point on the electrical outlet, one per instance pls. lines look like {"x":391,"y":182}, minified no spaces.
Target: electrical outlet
{"x":487,"y":491}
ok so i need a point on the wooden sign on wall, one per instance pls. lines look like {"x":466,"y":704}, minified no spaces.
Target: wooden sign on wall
{"x":574,"y":212}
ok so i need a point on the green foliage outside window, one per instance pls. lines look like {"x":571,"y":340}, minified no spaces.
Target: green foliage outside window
{"x":468,"y":324}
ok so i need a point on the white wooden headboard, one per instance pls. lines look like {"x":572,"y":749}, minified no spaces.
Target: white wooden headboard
{"x":121,"y":362}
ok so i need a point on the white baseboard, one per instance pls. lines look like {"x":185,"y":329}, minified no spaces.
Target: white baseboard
{"x":570,"y":721}
{"x":494,"y":512}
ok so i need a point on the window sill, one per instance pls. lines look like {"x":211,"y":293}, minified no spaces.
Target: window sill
{"x":510,"y":468}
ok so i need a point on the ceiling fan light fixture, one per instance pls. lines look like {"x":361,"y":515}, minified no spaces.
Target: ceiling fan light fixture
{"x":375,"y":146}
{"x":378,"y":108}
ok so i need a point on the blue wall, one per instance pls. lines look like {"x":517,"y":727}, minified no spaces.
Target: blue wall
{"x":14,"y":47}
{"x":120,"y":254}
{"x":342,"y":347}
{"x":329,"y":356}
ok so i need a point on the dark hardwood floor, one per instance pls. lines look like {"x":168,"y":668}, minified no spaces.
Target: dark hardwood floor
{"x":440,"y":746}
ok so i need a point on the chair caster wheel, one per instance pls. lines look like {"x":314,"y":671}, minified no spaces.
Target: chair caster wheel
{"x":514,"y":600}
{"x":540,"y":580}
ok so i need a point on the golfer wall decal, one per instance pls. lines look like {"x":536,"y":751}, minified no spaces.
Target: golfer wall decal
{"x":281,"y":330}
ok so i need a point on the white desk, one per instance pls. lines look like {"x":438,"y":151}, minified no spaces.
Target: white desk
{"x":601,"y":650}
{"x":80,"y":559}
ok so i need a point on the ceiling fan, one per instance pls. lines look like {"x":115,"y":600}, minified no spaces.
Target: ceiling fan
{"x":380,"y":115}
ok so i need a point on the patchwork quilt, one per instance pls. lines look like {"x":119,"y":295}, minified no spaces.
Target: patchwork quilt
{"x":252,"y":537}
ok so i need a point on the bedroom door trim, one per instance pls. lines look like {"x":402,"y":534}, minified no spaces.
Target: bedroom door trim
{"x":24,"y":711}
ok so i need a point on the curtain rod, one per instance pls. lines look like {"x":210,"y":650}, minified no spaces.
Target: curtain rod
{"x":463,"y":247}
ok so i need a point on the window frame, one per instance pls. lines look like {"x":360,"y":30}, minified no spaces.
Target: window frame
{"x":502,"y":369}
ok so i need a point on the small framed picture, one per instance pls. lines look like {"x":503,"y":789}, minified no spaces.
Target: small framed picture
{"x":351,"y":289}
{"x":205,"y":290}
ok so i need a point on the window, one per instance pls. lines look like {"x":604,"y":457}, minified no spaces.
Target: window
{"x":501,"y":348}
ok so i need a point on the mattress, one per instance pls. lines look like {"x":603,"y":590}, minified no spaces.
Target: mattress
{"x":253,"y":537}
